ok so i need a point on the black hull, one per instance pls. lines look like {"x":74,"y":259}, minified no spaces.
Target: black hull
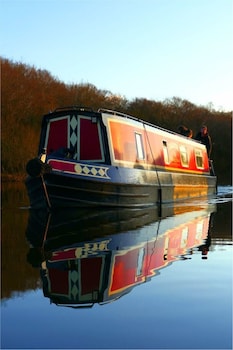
{"x":67,"y":226}
{"x":64,"y":227}
{"x":61,"y":191}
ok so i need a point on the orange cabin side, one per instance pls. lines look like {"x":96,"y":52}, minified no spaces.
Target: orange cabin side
{"x":133,"y":144}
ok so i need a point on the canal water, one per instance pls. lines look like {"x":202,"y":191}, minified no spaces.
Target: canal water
{"x":125,"y":279}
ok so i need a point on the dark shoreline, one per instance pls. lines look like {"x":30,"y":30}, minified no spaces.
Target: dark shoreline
{"x":13,"y":178}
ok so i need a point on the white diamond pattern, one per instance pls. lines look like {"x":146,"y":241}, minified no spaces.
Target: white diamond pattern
{"x":74,"y":276}
{"x":73,"y":122}
{"x":74,"y":291}
{"x":102,"y":172}
{"x":94,"y":171}
{"x":86,"y":170}
{"x":73,"y":283}
{"x":73,"y":139}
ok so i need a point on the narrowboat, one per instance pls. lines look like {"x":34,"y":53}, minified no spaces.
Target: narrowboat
{"x":83,"y":262}
{"x":105,"y":158}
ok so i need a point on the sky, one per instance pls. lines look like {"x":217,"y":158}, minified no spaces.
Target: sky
{"x":153,"y":49}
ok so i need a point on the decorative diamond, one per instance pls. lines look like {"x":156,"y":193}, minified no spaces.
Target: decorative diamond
{"x":74,"y":291}
{"x":101,"y":172}
{"x":93,"y":171}
{"x":78,"y":168}
{"x":74,"y":276}
{"x":73,"y":122}
{"x":73,"y":139}
{"x":86,"y":170}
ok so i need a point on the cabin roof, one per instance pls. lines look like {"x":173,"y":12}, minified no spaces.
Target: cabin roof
{"x":78,"y":108}
{"x":127,"y":116}
{"x":84,"y":109}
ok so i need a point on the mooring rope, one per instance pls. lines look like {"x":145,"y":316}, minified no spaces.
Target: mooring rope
{"x":159,"y":183}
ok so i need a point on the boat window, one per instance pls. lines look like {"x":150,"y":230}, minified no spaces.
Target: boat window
{"x":139,"y":144}
{"x":199,"y":159}
{"x":141,"y":255}
{"x":165,"y":152}
{"x":184,"y":156}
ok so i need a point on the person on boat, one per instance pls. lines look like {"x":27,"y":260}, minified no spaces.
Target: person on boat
{"x":204,"y":137}
{"x":183,"y":130}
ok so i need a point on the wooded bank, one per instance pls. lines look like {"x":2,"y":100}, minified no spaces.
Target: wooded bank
{"x":29,"y":93}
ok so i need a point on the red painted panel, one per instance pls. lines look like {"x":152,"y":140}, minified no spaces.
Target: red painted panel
{"x":124,"y":270}
{"x":89,"y":140}
{"x":63,"y":255}
{"x":62,"y":165}
{"x":59,"y":281}
{"x":90,"y":274}
{"x":57,"y":135}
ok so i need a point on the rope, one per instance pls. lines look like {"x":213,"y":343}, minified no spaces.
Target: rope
{"x":45,"y":192}
{"x":159,"y":183}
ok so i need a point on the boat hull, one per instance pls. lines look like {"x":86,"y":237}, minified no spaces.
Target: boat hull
{"x":132,"y":188}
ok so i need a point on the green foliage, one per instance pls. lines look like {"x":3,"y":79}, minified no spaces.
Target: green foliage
{"x":29,"y":93}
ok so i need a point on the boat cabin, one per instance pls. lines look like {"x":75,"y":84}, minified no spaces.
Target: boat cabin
{"x":120,"y":140}
{"x":106,"y":158}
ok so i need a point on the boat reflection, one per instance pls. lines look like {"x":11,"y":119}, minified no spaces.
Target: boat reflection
{"x":88,"y":257}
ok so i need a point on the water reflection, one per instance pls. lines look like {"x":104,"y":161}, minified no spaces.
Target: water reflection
{"x":87,"y":257}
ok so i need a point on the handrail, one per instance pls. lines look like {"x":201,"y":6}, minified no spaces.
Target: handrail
{"x":79,"y":108}
{"x":120,"y":114}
